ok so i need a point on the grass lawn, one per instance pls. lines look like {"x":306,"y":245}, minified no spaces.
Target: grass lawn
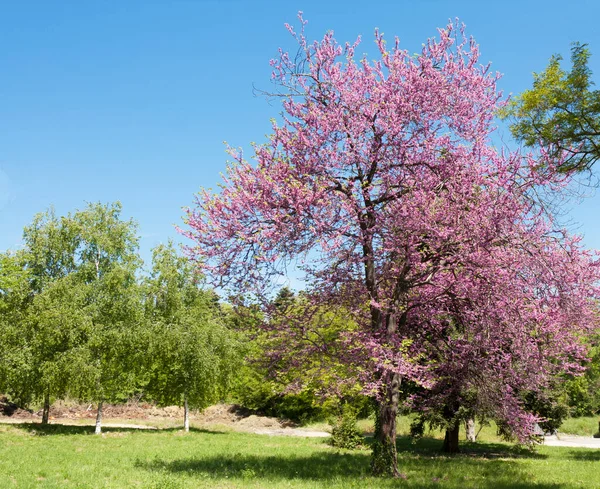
{"x":587,"y":426}
{"x":71,"y":456}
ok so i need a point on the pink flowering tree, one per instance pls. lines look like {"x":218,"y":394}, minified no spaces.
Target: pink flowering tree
{"x":507,"y":328}
{"x":381,"y":186}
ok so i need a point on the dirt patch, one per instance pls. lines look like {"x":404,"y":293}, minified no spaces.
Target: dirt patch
{"x":10,"y":409}
{"x":66,"y":410}
{"x":231,"y":416}
{"x":239,"y":417}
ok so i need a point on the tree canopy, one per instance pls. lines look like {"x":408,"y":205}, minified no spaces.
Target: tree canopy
{"x":560,"y":113}
{"x":192,"y":356}
{"x":382,"y":183}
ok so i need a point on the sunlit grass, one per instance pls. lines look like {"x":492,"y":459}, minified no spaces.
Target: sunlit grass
{"x":587,"y":426}
{"x":72,"y":457}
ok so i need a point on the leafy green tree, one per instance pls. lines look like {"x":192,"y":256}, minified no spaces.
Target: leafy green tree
{"x":55,"y":331}
{"x":278,"y":382}
{"x":16,"y":376}
{"x":74,"y":324}
{"x":561,"y":112}
{"x":194,"y":357}
{"x":107,"y":262}
{"x":46,"y":259}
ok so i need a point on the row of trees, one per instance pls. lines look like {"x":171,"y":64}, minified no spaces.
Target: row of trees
{"x":79,"y":319}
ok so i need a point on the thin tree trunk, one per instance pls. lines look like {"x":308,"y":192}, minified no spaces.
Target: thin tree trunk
{"x":98,"y":430}
{"x":470,"y":430}
{"x":186,"y":414}
{"x":384,"y":458}
{"x":384,"y":461}
{"x":451,"y":438}
{"x":46,"y":409}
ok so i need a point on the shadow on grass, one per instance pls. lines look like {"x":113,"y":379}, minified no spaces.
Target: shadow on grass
{"x":68,"y":429}
{"x":487,"y":466}
{"x":585,"y":454}
{"x":432,"y":447}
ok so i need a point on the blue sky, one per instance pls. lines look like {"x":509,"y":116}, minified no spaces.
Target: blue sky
{"x":132,"y":100}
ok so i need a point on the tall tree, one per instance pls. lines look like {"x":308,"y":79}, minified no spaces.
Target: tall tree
{"x":17,"y":378}
{"x":381,"y":180}
{"x":75,"y":328}
{"x":48,"y":258}
{"x":560,"y":113}
{"x":107,"y":265}
{"x":193,"y":356}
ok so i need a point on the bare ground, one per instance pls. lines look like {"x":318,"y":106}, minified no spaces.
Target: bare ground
{"x":147,"y":416}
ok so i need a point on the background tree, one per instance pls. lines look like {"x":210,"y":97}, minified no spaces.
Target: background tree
{"x":277,"y":381}
{"x":16,"y":366}
{"x":193,"y":356}
{"x":47,"y":258}
{"x":72,"y":323}
{"x":107,"y":266}
{"x":382,"y":181}
{"x":560,"y":113}
{"x":53,"y":332}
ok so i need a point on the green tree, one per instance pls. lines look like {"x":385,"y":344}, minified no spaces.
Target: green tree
{"x":47,"y":258}
{"x":275,"y":380}
{"x":58,"y":326}
{"x":107,"y":265}
{"x":71,"y":309}
{"x":561,"y":112}
{"x":16,"y":375}
{"x":194,"y":357}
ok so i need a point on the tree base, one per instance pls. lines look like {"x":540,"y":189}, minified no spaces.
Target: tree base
{"x":384,"y":460}
{"x":451,"y":439}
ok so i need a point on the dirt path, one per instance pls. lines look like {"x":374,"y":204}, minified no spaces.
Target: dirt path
{"x":563,"y":440}
{"x":292,"y":432}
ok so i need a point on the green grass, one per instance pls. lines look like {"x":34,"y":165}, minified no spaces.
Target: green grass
{"x":72,"y":457}
{"x":587,"y":426}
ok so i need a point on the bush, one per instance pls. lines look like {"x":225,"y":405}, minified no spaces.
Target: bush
{"x":345,"y":434}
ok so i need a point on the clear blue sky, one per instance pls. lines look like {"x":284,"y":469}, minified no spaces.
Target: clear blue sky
{"x":132,"y":100}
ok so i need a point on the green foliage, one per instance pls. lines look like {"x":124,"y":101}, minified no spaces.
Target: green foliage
{"x":192,"y":354}
{"x":549,"y":407}
{"x":15,"y":371}
{"x":255,"y":390}
{"x":278,"y":381}
{"x":38,"y":313}
{"x":561,"y":112}
{"x":582,"y":394}
{"x":107,"y":265}
{"x":71,"y":307}
{"x":345,"y":433}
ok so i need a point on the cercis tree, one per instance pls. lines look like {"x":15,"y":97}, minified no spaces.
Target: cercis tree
{"x":504,"y":332}
{"x":382,"y":183}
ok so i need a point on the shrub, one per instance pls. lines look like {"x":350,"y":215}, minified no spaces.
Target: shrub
{"x":345,"y":434}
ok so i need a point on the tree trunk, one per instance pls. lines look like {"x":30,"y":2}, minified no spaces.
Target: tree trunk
{"x":98,"y":430}
{"x":384,"y":461}
{"x":186,"y":414}
{"x":470,"y":430}
{"x":451,"y":438}
{"x":46,"y":409}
